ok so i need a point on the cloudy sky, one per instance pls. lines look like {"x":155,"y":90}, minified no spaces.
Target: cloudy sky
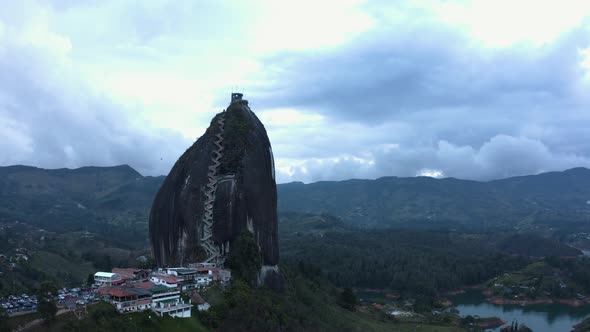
{"x":346,"y":88}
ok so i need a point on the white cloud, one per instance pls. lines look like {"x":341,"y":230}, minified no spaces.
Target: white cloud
{"x":502,"y":23}
{"x":501,"y":156}
{"x":433,"y":173}
{"x":345,"y":88}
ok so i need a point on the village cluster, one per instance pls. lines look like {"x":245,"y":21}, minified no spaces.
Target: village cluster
{"x":133,"y":290}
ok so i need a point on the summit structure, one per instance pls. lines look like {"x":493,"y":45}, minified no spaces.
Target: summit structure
{"x":223,"y":185}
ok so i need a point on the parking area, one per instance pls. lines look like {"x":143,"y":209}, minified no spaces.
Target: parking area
{"x":15,"y":304}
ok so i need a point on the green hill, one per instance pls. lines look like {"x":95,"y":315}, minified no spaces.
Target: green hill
{"x":115,"y":201}
{"x":537,"y":202}
{"x":111,"y":201}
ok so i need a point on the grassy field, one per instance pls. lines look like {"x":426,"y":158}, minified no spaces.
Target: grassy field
{"x":213,"y":295}
{"x":359,"y":321}
{"x":61,"y":268}
{"x":403,"y":327}
{"x":179,"y":325}
{"x":354,"y":322}
{"x":146,"y":321}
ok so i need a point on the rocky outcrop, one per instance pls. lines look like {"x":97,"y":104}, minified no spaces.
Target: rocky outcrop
{"x":224,"y":183}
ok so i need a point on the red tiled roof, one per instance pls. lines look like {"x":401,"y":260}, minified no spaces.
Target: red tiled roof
{"x":197,"y":298}
{"x":169,"y":280}
{"x":147,"y":285}
{"x":118,"y":282}
{"x":202,"y":268}
{"x":120,"y":292}
{"x":115,"y":291}
{"x":129,"y":272}
{"x":125,"y":272}
{"x":103,"y":290}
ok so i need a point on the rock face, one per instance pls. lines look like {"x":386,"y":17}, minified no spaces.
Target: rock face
{"x":223,"y":184}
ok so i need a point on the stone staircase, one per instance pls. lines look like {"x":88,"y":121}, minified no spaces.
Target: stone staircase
{"x":214,"y":255}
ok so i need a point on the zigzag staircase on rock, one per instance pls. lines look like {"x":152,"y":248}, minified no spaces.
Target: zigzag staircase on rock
{"x":214,"y":255}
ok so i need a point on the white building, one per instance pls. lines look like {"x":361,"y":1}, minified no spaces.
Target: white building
{"x":204,"y":280}
{"x":127,"y":299}
{"x":182,"y":272}
{"x":198,"y":282}
{"x":221,"y":275}
{"x":202,"y":305}
{"x":168,"y":302}
{"x":106,"y":278}
{"x":166,"y":280}
{"x":174,"y":309}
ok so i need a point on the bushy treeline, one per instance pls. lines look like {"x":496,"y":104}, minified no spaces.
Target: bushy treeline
{"x":408,"y":262}
{"x":103,"y":317}
{"x":308,"y":303}
{"x":578,"y":271}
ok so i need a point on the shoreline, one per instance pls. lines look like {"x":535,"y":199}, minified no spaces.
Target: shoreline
{"x":497,"y":300}
{"x":546,"y":300}
{"x":491,"y":322}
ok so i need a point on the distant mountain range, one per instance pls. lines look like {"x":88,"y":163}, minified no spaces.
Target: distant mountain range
{"x":113,"y":201}
{"x":548,"y":201}
{"x":116,"y":200}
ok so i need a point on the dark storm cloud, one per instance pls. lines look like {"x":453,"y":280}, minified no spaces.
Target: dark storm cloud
{"x":386,"y":74}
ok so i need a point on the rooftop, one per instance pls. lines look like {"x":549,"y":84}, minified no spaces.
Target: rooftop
{"x":160,"y":289}
{"x":124,"y":291}
{"x":174,"y":307}
{"x":104,"y":274}
{"x":168,"y":279}
{"x":116,"y":292}
{"x":130,"y":272}
{"x":196,"y":298}
{"x":147,"y":285}
{"x":180,"y":270}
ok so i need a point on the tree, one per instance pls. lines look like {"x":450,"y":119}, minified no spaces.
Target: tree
{"x":47,"y":289}
{"x":468,"y":320}
{"x":244,"y":258}
{"x":90,"y":279}
{"x":348,"y":299}
{"x":47,"y":310}
{"x":150,"y":262}
{"x":4,"y":327}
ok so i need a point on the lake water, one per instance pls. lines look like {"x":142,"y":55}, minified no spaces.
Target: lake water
{"x":540,"y":318}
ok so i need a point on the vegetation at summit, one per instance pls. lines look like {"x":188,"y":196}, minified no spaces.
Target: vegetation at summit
{"x":235,"y":132}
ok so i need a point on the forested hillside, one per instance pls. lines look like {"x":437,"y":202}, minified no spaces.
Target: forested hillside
{"x":412,"y":262}
{"x":111,"y":201}
{"x":556,"y":200}
{"x":114,"y":201}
